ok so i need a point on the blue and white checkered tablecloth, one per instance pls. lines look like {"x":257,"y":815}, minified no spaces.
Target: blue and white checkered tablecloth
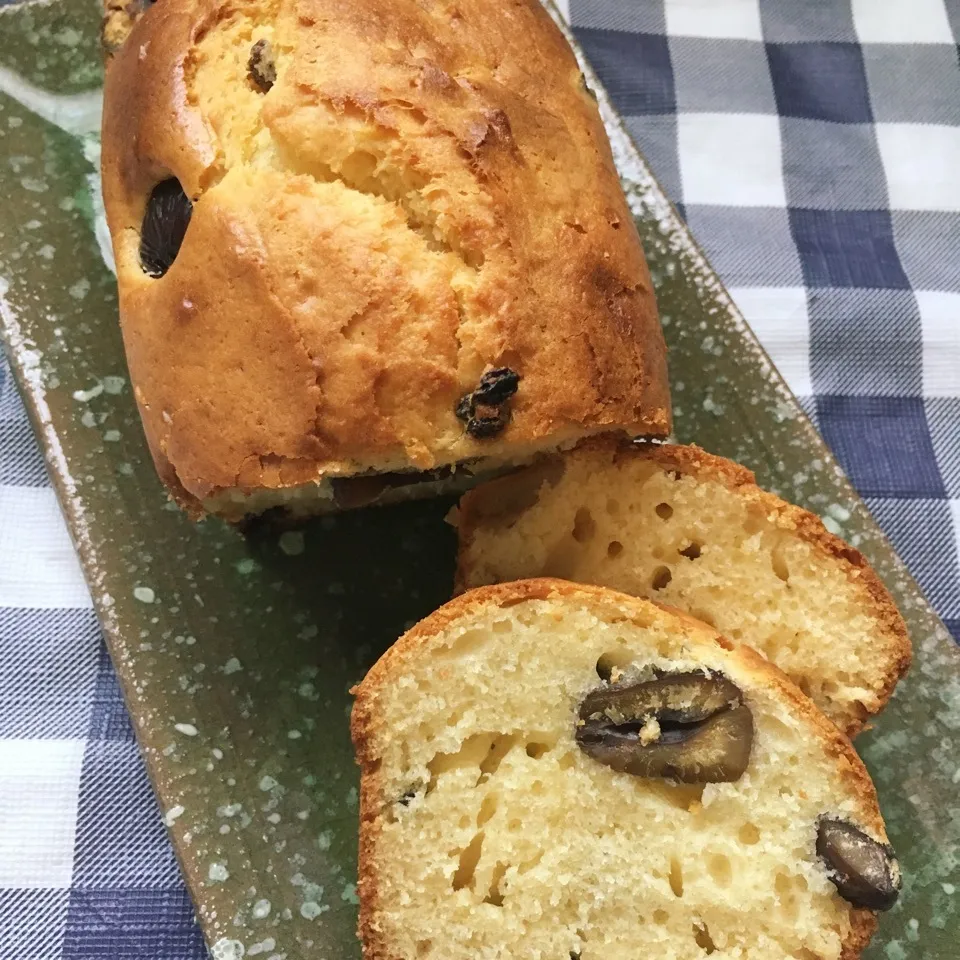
{"x":814,"y":148}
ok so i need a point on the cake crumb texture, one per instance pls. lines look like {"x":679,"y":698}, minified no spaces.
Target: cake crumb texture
{"x":688,"y":529}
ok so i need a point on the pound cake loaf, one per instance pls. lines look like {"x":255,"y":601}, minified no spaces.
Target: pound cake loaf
{"x":678,"y":525}
{"x":553,"y":770}
{"x":367,"y":250}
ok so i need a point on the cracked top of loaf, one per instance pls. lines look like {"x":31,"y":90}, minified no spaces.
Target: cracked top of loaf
{"x":389,"y":199}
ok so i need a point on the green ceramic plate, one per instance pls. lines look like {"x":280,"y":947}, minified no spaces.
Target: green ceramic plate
{"x":236,"y":654}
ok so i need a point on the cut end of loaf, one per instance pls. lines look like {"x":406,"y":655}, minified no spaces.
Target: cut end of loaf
{"x":487,"y":832}
{"x":329,"y":495}
{"x":395,"y":483}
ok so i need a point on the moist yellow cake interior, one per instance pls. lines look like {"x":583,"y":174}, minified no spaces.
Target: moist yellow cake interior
{"x":502,"y":839}
{"x":694,"y":543}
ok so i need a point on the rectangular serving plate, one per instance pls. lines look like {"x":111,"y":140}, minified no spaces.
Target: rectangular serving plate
{"x":236,"y":653}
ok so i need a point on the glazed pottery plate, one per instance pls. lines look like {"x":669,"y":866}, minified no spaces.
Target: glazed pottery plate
{"x":236,"y":653}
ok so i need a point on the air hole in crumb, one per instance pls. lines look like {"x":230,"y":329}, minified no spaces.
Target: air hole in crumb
{"x":784,"y":888}
{"x":749,"y":834}
{"x":472,"y":753}
{"x":502,"y":626}
{"x":424,"y":947}
{"x":358,"y":165}
{"x":683,"y":796}
{"x":676,"y":877}
{"x":528,"y":865}
{"x":495,"y":893}
{"x":664,"y":511}
{"x":660,"y":916}
{"x":514,"y":824}
{"x":536,"y":750}
{"x":611,"y":660}
{"x":464,"y":822}
{"x":719,"y":868}
{"x":584,"y":526}
{"x":661,"y":577}
{"x":614,"y":549}
{"x":701,"y":934}
{"x":487,"y":809}
{"x":467,"y":865}
{"x":605,"y":667}
{"x":691,"y":551}
{"x":703,"y":616}
{"x":500,"y":747}
{"x":567,"y":761}
{"x":779,"y":563}
{"x":753,"y":524}
{"x":467,"y":643}
{"x":613,"y":507}
{"x":536,"y":788}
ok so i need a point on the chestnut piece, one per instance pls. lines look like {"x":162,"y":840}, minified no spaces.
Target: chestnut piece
{"x":496,"y":387}
{"x":165,"y":223}
{"x":261,"y":65}
{"x":485,"y":410}
{"x":865,"y":872}
{"x":691,"y":727}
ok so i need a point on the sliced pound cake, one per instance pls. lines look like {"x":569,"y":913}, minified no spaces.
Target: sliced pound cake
{"x":561,"y":771}
{"x":683,"y":527}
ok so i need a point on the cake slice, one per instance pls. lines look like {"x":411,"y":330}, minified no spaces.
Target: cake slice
{"x":561,"y":771}
{"x":683,"y":527}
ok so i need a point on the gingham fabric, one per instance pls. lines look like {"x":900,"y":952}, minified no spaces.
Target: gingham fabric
{"x":814,"y":148}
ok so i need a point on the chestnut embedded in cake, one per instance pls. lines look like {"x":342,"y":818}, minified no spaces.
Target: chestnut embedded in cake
{"x":486,"y":410}
{"x":263,"y":69}
{"x":692,"y":727}
{"x":164,"y":226}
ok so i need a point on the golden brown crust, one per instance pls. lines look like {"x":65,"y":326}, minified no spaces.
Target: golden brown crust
{"x":693,"y":461}
{"x":323,"y":319}
{"x":863,"y":925}
{"x":415,"y":643}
